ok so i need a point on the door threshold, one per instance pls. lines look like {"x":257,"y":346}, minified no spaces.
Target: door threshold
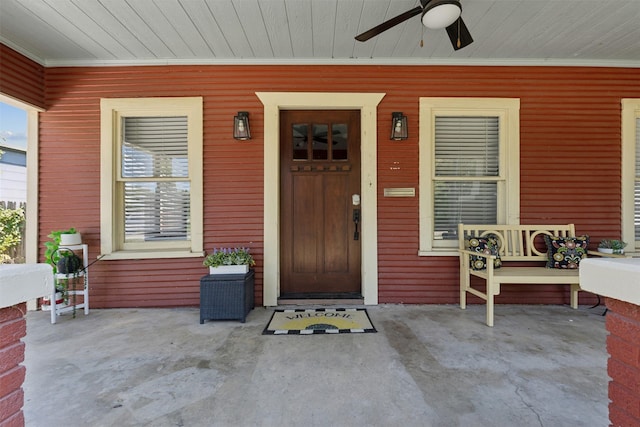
{"x":321,"y":299}
{"x":331,"y":302}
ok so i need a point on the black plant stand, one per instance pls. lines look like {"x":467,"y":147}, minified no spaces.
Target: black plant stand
{"x":226,"y":296}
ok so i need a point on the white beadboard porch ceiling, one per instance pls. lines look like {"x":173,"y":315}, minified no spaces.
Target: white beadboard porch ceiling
{"x":131,"y":32}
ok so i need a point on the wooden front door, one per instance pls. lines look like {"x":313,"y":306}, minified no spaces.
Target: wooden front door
{"x":319,"y":197}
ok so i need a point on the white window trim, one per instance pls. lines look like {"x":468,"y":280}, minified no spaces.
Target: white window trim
{"x":630,"y":112}
{"x":508,"y":110}
{"x":111,"y":110}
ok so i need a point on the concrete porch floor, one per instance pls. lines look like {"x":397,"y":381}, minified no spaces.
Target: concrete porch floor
{"x":431,"y":365}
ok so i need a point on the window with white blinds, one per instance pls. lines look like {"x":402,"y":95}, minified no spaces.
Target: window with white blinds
{"x":469,"y":167}
{"x":631,"y":174}
{"x":154,"y":178}
{"x":151,"y":185}
{"x":636,"y":192}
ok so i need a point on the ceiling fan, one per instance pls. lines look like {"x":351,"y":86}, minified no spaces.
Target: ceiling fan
{"x":436,"y":14}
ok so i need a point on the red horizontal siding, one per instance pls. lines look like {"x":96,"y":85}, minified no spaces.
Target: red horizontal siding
{"x":21,"y":78}
{"x":570,"y":163}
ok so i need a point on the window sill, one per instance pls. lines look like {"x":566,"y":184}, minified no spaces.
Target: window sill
{"x":151,"y":254}
{"x":443,"y":252}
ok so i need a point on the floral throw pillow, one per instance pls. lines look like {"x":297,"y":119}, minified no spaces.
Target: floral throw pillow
{"x":566,"y":252}
{"x":487,"y":246}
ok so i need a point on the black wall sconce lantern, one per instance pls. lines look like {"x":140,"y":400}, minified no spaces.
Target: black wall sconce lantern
{"x":241,"y":129}
{"x":399,"y":129}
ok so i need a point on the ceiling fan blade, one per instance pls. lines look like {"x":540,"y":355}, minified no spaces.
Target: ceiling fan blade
{"x":459,"y":34}
{"x":388,"y":24}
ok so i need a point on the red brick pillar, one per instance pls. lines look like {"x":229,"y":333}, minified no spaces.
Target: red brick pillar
{"x":13,"y":327}
{"x":623,"y":345}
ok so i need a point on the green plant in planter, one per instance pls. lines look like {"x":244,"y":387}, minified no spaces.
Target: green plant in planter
{"x":617,"y":246}
{"x":229,"y":256}
{"x":68,"y":262}
{"x":51,"y":253}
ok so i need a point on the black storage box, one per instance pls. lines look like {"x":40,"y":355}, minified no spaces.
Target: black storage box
{"x":226,"y":296}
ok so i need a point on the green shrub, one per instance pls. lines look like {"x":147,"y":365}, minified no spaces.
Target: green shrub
{"x":11,"y":225}
{"x":229,"y":256}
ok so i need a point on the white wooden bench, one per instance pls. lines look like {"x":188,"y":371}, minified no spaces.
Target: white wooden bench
{"x":518,"y":243}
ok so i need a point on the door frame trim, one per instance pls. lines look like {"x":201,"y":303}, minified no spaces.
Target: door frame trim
{"x":367,"y":103}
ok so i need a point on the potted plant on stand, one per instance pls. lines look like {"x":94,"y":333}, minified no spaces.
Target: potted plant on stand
{"x":611,"y":246}
{"x":63,"y":261}
{"x":229,"y":261}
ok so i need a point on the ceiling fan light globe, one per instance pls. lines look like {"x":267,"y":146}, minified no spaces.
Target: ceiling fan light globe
{"x":441,"y":13}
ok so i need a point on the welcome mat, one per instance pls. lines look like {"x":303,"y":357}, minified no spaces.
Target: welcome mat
{"x":319,"y":321}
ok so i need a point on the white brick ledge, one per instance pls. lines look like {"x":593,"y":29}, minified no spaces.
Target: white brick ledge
{"x":23,"y":282}
{"x":617,"y":278}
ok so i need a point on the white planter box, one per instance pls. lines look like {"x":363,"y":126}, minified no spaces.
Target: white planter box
{"x":70,"y":239}
{"x":229,"y":269}
{"x":611,"y":251}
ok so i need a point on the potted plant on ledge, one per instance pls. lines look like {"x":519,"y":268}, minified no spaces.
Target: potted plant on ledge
{"x":229,"y":261}
{"x":611,"y":246}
